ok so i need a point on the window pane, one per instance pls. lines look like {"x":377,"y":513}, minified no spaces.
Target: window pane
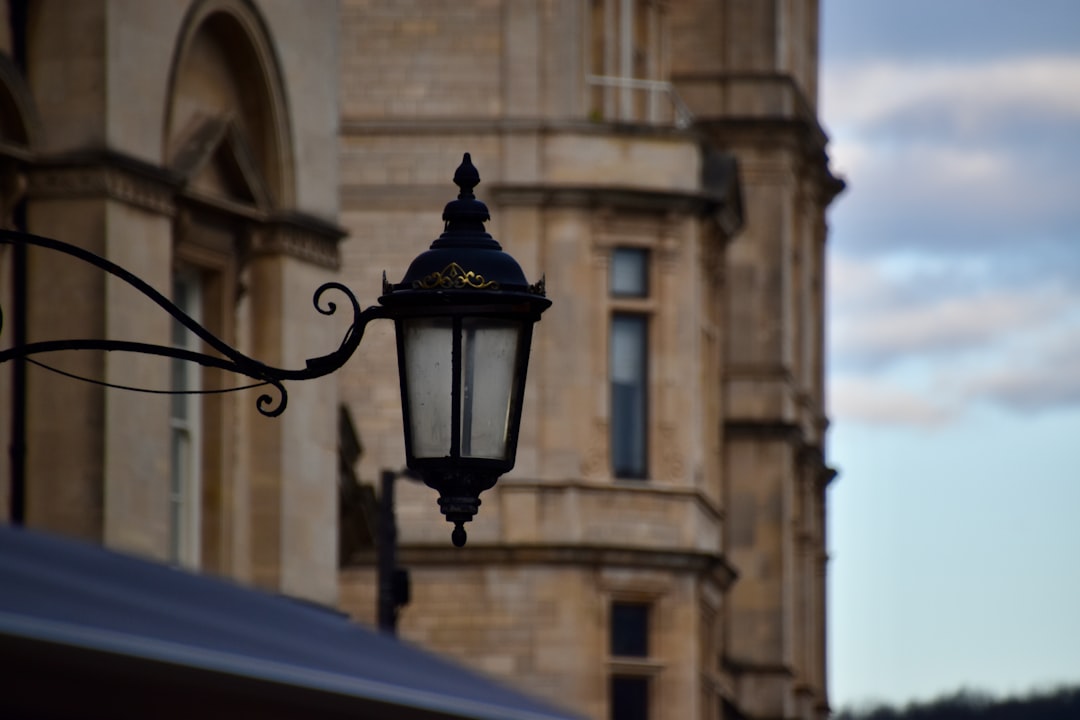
{"x":489,"y":351}
{"x":185,"y":415}
{"x":630,"y":629}
{"x":629,"y":698}
{"x":185,"y":291}
{"x":628,"y":395}
{"x":180,"y":383}
{"x":629,"y":276}
{"x":179,"y":478}
{"x":427,"y":344}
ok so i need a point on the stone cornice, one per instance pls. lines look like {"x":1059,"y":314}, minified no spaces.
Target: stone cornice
{"x":398,"y":126}
{"x":746,"y":95}
{"x":510,"y":485}
{"x":605,"y":196}
{"x":112,"y":175}
{"x":713,"y":565}
{"x":748,"y":667}
{"x":803,"y":136}
{"x":764,"y":109}
{"x":790,"y":432}
{"x":764,"y":430}
{"x":104,"y":174}
{"x":304,"y":237}
{"x":776,"y":372}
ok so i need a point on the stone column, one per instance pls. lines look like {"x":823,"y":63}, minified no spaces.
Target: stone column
{"x":292,"y":459}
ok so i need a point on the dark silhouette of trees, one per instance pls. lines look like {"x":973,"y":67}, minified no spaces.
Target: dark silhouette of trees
{"x":1058,"y":704}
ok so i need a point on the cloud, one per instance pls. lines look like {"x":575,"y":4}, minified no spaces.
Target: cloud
{"x":953,"y":335}
{"x":880,"y":318}
{"x":920,"y":341}
{"x":954,"y":324}
{"x":947,"y":31}
{"x":1030,"y":390}
{"x":1042,"y":375}
{"x":954,"y":272}
{"x":875,"y":402}
{"x":961,"y":158}
{"x":972,"y":94}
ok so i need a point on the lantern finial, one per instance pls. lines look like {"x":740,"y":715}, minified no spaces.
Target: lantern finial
{"x":465,"y":217}
{"x":466,"y":177}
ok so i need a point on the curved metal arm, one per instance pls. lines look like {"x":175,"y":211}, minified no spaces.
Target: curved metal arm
{"x":233,"y":360}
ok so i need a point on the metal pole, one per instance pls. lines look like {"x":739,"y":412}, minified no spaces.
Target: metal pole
{"x":387,"y":554}
{"x":17,"y":449}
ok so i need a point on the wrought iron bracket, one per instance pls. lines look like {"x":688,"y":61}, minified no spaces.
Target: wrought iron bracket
{"x":229,"y":358}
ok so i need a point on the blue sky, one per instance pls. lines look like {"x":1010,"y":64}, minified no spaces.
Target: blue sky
{"x":954,"y":346}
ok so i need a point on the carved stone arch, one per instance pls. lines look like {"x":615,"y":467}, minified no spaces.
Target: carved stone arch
{"x":225,"y":67}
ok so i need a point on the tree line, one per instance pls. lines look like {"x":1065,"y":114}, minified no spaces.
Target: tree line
{"x":1057,"y":704}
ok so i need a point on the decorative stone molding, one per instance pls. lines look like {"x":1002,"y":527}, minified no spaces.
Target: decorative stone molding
{"x":597,"y":197}
{"x":442,"y":126}
{"x":749,"y":667}
{"x":773,"y":430}
{"x":300,"y":236}
{"x":104,"y":175}
{"x":713,"y":565}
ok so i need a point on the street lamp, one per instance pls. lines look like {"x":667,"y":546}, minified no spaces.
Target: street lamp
{"x":464,"y":314}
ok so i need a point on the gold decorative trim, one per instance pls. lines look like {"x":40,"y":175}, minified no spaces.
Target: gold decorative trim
{"x":453,"y":276}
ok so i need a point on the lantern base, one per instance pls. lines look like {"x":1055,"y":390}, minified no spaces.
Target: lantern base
{"x":459,"y":510}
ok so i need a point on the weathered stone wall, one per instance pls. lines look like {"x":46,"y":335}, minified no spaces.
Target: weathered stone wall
{"x":544,"y":627}
{"x":736,"y":419}
{"x":118,"y":86}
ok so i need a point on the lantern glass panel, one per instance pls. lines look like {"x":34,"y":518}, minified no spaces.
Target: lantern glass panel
{"x":489,"y":350}
{"x":428,"y":347}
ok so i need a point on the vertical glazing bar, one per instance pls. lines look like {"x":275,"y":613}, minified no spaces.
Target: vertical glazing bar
{"x":455,"y":391}
{"x":468,"y":398}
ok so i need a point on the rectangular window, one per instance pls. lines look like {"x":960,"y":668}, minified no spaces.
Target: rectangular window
{"x":625,"y":61}
{"x":629,"y":272}
{"x":629,"y":339}
{"x":628,"y":366}
{"x":629,"y":638}
{"x":629,"y":629}
{"x":185,"y":436}
{"x":629,"y":697}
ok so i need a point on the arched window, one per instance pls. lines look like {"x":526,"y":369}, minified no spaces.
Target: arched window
{"x":226,"y":137}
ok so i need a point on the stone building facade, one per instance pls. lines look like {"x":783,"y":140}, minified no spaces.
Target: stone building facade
{"x":659,"y":549}
{"x":192,"y":142}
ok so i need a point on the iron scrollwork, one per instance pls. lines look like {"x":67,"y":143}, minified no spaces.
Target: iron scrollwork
{"x":229,"y":358}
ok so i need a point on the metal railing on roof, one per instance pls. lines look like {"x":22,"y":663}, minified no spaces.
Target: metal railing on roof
{"x":624,"y":99}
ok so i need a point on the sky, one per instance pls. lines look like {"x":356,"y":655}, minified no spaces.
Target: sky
{"x":954,"y":341}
